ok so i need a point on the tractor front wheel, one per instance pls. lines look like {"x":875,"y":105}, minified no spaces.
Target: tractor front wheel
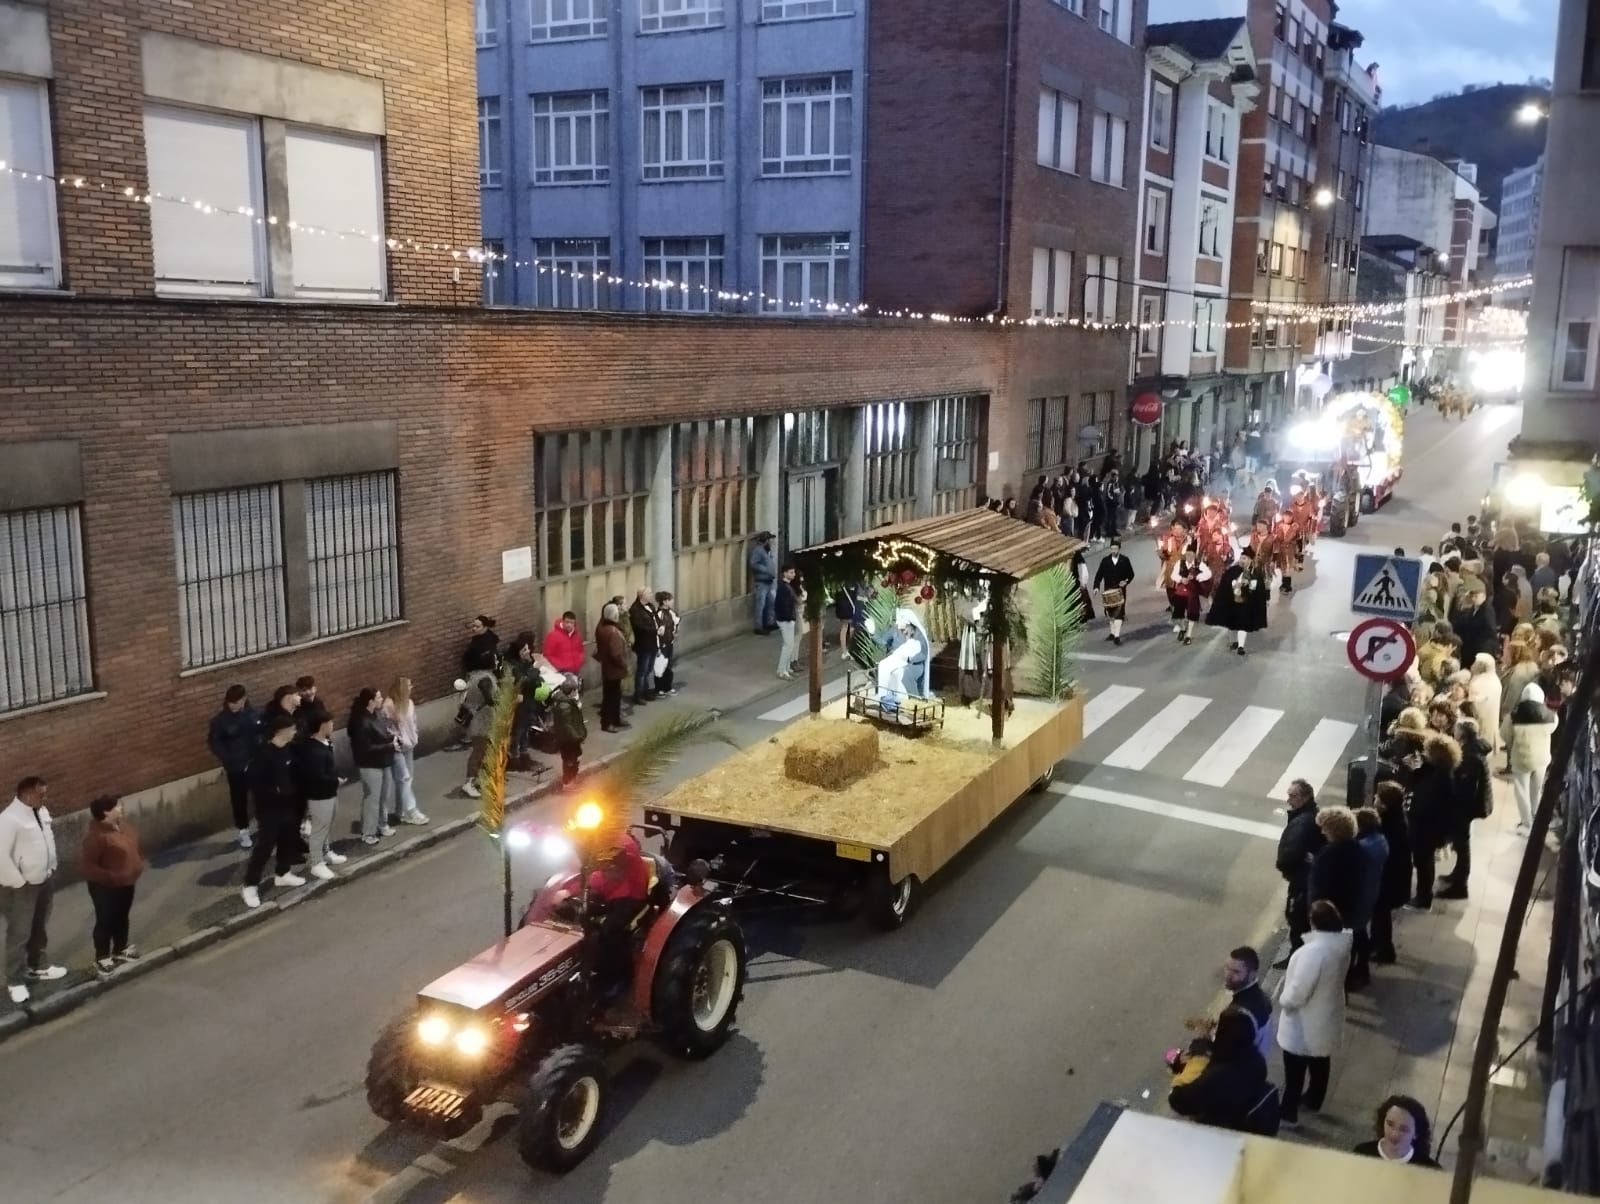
{"x":563,"y":1108}
{"x":390,"y":1076}
{"x":699,"y":982}
{"x":890,"y":904}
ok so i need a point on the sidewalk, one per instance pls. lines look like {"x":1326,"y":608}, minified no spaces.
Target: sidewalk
{"x":189,"y":897}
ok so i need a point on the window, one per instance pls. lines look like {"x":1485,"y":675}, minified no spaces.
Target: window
{"x":1160,"y":115}
{"x":805,"y":125}
{"x":1205,"y":333}
{"x":1288,"y":262}
{"x":1338,"y":184}
{"x":1072,"y":6}
{"x":955,"y":447}
{"x":489,"y":142}
{"x":28,"y":243}
{"x":1360,"y":192}
{"x":1058,"y":130}
{"x":805,"y":273}
{"x":1107,"y":14}
{"x":682,"y":132}
{"x":1155,"y":221}
{"x":1217,"y":132}
{"x":1578,"y":320}
{"x":1110,"y":144}
{"x":592,"y":494}
{"x":560,"y":20}
{"x":1047,"y":434}
{"x":891,"y":459}
{"x":44,"y":608}
{"x":1280,"y":19}
{"x":665,"y":16}
{"x":214,"y":159}
{"x":1211,"y":228}
{"x":1277,"y":259}
{"x":335,"y":185}
{"x":1100,"y":274}
{"x":1261,"y":257}
{"x":496,"y":272}
{"x":231,"y":592}
{"x":1589,"y":64}
{"x":1300,"y":120}
{"x":1116,"y":18}
{"x":353,"y":552}
{"x":1052,"y":282}
{"x":571,"y":273}
{"x":687,"y":273}
{"x":571,"y":138}
{"x":715,"y":469}
{"x":486,"y":23}
{"x":1150,"y":324}
{"x":799,"y":10}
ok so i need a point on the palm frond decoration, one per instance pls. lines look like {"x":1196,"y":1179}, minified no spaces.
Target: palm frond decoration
{"x":866,"y":647}
{"x":492,"y":777}
{"x":620,"y":786}
{"x":1052,"y":606}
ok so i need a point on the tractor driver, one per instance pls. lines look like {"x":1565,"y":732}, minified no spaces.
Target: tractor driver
{"x":620,"y":888}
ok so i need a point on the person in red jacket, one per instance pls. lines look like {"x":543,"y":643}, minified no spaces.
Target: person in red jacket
{"x":563,"y":646}
{"x":619,"y":887}
{"x":112,"y":863}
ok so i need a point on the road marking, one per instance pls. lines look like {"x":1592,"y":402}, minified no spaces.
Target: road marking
{"x":1104,"y":657}
{"x":1223,"y":759}
{"x":797,"y":707}
{"x":1105,"y":704}
{"x":1314,"y":760}
{"x":1150,"y":806}
{"x":1146,"y":744}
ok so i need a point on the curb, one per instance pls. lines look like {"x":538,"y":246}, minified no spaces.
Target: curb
{"x":51,"y":1007}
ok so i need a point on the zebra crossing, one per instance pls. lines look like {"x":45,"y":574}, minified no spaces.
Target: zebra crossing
{"x":1205,"y":741}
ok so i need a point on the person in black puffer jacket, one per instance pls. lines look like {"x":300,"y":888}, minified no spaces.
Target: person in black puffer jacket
{"x":1473,"y":800}
{"x":372,"y":745}
{"x":1396,"y":887}
{"x":1433,"y":792}
{"x":1230,"y":1093}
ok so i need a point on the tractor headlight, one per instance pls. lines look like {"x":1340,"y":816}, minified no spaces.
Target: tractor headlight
{"x":472,"y":1041}
{"x":433,"y":1030}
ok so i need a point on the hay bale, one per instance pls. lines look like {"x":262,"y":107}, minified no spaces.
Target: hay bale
{"x":832,"y":754}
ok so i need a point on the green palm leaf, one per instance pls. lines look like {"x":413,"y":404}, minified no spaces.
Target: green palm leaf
{"x":866,"y":648}
{"x":650,"y":753}
{"x":492,"y":777}
{"x":1052,"y":605}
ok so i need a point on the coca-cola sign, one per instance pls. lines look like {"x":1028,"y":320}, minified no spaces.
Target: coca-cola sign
{"x":1146,"y":409}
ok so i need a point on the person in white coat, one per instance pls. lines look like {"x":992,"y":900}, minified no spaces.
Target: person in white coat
{"x":1484,"y":689}
{"x":1527,"y":733}
{"x":27,"y":865}
{"x":1311,"y":1011}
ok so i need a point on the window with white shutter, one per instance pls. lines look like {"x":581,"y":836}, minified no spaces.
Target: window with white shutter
{"x":336,"y":203}
{"x":29,"y":255}
{"x":205,"y":187}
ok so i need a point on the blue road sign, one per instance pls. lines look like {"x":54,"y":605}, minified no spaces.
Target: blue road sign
{"x":1386,"y":585}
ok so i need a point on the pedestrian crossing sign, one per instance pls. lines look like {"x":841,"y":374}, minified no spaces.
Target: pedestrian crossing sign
{"x":1386,"y":585}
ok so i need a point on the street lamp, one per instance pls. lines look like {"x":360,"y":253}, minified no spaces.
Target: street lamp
{"x":1323,"y":198}
{"x":1531,"y":113}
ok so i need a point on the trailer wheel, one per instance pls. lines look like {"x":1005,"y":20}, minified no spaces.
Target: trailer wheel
{"x":1043,"y":780}
{"x":699,"y":982}
{"x":1369,"y":502}
{"x":561,"y":1113}
{"x":390,"y":1075}
{"x":890,"y":904}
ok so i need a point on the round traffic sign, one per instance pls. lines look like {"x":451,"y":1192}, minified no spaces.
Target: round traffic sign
{"x":1381,"y":649}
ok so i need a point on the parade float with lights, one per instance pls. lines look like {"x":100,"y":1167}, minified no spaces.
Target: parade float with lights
{"x":1352,"y":451}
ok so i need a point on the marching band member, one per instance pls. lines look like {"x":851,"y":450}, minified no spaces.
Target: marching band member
{"x":1214,"y":536}
{"x":1169,"y":549}
{"x":1111,"y":581}
{"x":1241,"y":599}
{"x":1288,"y":551}
{"x":1191,"y":581}
{"x":1267,"y":503}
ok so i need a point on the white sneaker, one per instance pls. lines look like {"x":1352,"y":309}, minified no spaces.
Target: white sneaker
{"x":321,"y":871}
{"x":48,"y":973}
{"x":18,"y":992}
{"x":385,"y":830}
{"x":369,"y":840}
{"x":252,"y":897}
{"x":413,"y":817}
{"x":244,"y":838}
{"x":336,"y":858}
{"x":470,"y":789}
{"x":289,"y":879}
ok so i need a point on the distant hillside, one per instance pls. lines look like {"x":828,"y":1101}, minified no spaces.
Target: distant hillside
{"x":1479,"y":126}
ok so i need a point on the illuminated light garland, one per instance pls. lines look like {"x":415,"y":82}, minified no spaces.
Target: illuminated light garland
{"x":1282,"y":309}
{"x":894,"y":553}
{"x":1468,"y":344}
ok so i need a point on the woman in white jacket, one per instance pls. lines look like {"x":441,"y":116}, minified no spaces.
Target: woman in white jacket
{"x":1311,"y":1010}
{"x":1527,"y":734}
{"x":1483,"y":689}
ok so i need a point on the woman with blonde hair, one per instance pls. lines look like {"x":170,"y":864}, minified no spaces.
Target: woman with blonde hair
{"x":401,"y":712}
{"x":1484,"y":692}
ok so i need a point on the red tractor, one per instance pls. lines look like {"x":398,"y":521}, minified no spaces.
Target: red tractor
{"x":531,"y":1017}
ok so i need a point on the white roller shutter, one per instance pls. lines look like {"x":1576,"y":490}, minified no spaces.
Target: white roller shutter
{"x":28,"y":257}
{"x":334,"y":189}
{"x":205,"y":173}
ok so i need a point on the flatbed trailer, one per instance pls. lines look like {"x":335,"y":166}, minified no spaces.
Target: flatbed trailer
{"x":881,"y":839}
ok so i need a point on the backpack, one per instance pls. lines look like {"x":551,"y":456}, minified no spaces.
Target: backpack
{"x":1262,"y":1119}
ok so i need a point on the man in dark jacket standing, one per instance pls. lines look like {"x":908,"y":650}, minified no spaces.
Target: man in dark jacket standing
{"x":1472,"y":799}
{"x":1296,"y":847}
{"x":611,"y":650}
{"x":1475,"y":626}
{"x":319,"y":786}
{"x":275,"y":786}
{"x":646,"y":640}
{"x":233,"y":739}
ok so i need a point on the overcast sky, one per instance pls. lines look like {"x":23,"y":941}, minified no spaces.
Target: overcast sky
{"x":1424,"y":47}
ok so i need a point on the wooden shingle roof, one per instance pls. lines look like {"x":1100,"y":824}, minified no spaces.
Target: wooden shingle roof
{"x":993,"y":543}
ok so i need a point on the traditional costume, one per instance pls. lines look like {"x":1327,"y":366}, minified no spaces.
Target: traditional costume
{"x":1307,"y":509}
{"x":1267,"y":504}
{"x":1215,"y":538}
{"x":1169,"y":549}
{"x":1191,"y":581}
{"x":1111,"y":580}
{"x":904,"y":672}
{"x":1287,"y":549}
{"x":1241,"y":599}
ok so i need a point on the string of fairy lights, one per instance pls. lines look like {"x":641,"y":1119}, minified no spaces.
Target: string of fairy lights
{"x":1283,"y":314}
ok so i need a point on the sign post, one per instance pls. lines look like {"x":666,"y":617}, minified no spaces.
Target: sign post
{"x":1386,"y":586}
{"x":1381,"y":650}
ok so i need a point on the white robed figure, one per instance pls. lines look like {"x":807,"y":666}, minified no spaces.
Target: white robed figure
{"x":903,"y":673}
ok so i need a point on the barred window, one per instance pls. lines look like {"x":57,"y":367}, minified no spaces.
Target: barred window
{"x":714,"y":471}
{"x":44,"y":608}
{"x":955,"y":441}
{"x":814,"y":438}
{"x":891,"y":455}
{"x":1047,"y":434}
{"x":353,"y":547}
{"x":592,"y":492}
{"x":231,"y":595}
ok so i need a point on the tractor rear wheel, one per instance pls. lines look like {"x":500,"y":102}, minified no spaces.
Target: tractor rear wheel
{"x":390,"y":1075}
{"x":890,"y":904}
{"x":699,"y":982}
{"x":561,"y":1113}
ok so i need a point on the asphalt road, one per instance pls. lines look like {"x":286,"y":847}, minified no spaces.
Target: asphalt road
{"x":1048,"y":969}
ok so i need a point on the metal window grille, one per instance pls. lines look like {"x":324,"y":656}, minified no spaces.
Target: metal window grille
{"x":592,"y":495}
{"x":955,"y":437}
{"x":231,"y":596}
{"x":814,"y":438}
{"x":891,"y":454}
{"x":714,"y":472}
{"x":353,"y":552}
{"x":1047,"y":434}
{"x":44,"y":608}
